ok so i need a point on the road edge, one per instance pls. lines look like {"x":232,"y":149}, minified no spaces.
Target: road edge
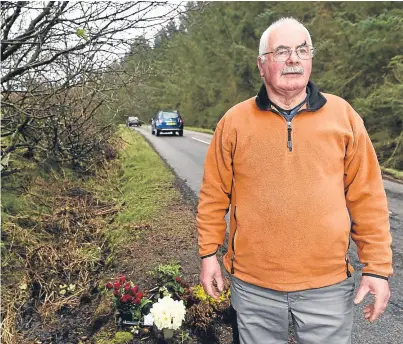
{"x":188,"y":195}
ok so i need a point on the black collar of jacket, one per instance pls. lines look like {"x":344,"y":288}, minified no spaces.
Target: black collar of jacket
{"x":315,"y":99}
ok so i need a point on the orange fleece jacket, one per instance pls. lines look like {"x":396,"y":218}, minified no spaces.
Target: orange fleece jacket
{"x":289,"y":220}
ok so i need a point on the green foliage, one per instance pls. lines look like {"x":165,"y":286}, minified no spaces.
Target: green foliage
{"x":207,"y":63}
{"x":168,"y":272}
{"x":168,"y":277}
{"x":184,"y":336}
{"x":175,"y":287}
{"x":81,"y":33}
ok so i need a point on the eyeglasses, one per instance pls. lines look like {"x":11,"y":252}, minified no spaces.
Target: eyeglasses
{"x":304,"y":52}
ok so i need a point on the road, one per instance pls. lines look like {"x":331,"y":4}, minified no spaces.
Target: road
{"x":186,"y":156}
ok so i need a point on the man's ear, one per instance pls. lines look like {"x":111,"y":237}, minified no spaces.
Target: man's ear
{"x":260,"y":65}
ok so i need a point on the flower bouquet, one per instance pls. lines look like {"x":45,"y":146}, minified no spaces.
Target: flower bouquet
{"x":128,"y":300}
{"x":168,"y":315}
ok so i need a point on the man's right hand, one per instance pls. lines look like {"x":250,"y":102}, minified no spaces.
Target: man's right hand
{"x":211,"y":277}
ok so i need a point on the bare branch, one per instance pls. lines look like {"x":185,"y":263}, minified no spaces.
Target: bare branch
{"x":7,"y":53}
{"x":61,"y":68}
{"x":11,"y":19}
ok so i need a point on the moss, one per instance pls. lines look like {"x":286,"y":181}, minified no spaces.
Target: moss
{"x":103,"y":337}
{"x":122,"y":338}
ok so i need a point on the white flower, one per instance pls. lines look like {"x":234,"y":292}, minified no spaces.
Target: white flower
{"x":168,"y":313}
{"x":148,"y":320}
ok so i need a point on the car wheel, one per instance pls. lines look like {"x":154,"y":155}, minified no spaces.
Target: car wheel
{"x":180,"y":132}
{"x":157,"y":132}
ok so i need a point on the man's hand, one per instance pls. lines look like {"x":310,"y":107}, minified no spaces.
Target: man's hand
{"x":380,"y":289}
{"x":211,"y":277}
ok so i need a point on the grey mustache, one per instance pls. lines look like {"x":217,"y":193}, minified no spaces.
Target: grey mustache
{"x":293,"y":70}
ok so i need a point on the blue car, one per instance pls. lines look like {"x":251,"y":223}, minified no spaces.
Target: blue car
{"x":167,"y":122}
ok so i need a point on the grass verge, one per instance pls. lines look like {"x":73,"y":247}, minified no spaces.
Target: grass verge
{"x":73,"y":233}
{"x":201,"y":130}
{"x":393,"y":173}
{"x":140,"y":182}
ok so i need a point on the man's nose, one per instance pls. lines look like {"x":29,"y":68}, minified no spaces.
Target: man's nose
{"x":293,"y":58}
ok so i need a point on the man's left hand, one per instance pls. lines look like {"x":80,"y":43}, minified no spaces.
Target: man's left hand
{"x":377,"y":287}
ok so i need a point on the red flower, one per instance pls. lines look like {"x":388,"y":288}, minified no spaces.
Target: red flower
{"x":137,"y":301}
{"x":122,"y":279}
{"x":178,"y":279}
{"x":125,"y":298}
{"x":116,"y":293}
{"x":139,"y":296}
{"x":109,"y":285}
{"x":135,"y":289}
{"x":183,"y":284}
{"x":127,"y":287}
{"x":116,"y":285}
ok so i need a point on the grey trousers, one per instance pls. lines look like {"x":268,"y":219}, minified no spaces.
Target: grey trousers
{"x":320,"y":316}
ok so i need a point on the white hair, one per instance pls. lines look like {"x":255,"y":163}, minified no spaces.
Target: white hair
{"x":264,"y":40}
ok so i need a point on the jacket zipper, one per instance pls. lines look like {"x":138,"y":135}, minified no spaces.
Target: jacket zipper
{"x":289,"y":127}
{"x":233,"y":245}
{"x":289,"y":142}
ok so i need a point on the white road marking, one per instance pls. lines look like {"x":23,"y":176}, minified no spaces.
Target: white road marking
{"x":201,"y":140}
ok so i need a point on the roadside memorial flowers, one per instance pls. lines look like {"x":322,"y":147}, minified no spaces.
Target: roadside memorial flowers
{"x":168,"y":315}
{"x":128,"y":300}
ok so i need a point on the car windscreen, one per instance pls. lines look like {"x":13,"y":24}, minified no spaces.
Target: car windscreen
{"x":169,"y":115}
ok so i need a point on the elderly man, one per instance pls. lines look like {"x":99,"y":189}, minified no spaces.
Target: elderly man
{"x":294,"y":164}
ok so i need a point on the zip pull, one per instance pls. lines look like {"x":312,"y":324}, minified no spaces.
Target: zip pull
{"x":289,"y":143}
